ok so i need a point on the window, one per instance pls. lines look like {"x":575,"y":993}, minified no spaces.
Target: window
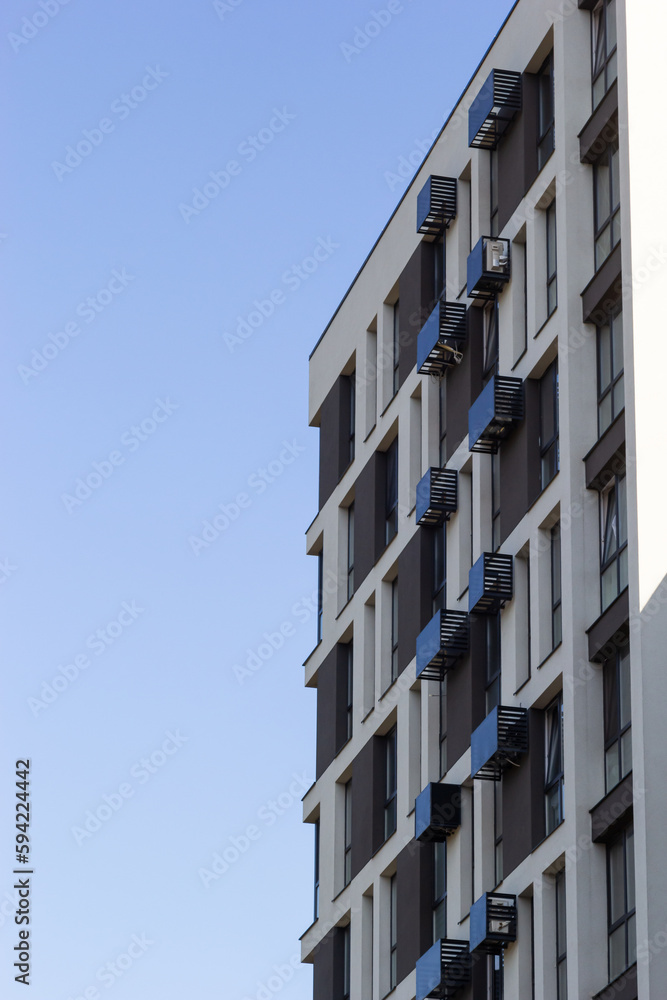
{"x":393,"y":932}
{"x":346,"y":962}
{"x":394,"y":629}
{"x":495,"y":502}
{"x":396,"y":349}
{"x":391,"y":491}
{"x":552,"y":284}
{"x":614,"y":541}
{"x":493,"y":192}
{"x":556,"y":607}
{"x":316,"y":880}
{"x":549,"y":453}
{"x":439,"y":568}
{"x":439,"y":267}
{"x":443,"y":725}
{"x":621,"y":903}
{"x":352,"y":414}
{"x":611,"y":394}
{"x":492,"y":661}
{"x":553,"y":784}
{"x":617,"y":718}
{"x":496,"y":976}
{"x":607,"y":199}
{"x":604,"y":48}
{"x":390,"y":784}
{"x":491,"y":338}
{"x":320,"y":583}
{"x":561,"y":938}
{"x":498,"y":831}
{"x":349,"y":705}
{"x":347,"y":865}
{"x":442,"y":415}
{"x":350,"y":551}
{"x":545,"y":112}
{"x":440,"y":891}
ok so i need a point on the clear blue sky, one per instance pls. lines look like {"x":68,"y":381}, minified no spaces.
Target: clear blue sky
{"x":134,"y":411}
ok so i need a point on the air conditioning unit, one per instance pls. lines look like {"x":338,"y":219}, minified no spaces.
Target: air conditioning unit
{"x":497,"y":256}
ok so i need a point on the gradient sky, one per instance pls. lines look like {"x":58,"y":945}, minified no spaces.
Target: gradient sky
{"x":138,"y":403}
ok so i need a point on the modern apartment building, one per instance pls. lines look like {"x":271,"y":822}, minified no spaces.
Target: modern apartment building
{"x":490,"y":807}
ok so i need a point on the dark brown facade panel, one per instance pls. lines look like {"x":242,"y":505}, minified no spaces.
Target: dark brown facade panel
{"x":601,"y":128}
{"x":330,"y":421}
{"x":613,"y":812}
{"x":610,"y":631}
{"x":416,"y":302}
{"x":607,"y":457}
{"x":328,"y":967}
{"x":523,"y":799}
{"x":415,"y":592}
{"x":622,"y":988}
{"x":517,"y":154}
{"x":327,"y":680}
{"x":602,"y":295}
{"x":464,"y":382}
{"x":414,"y":891}
{"x":368,"y":517}
{"x":368,"y":798}
{"x":520,"y":464}
{"x":466,"y":697}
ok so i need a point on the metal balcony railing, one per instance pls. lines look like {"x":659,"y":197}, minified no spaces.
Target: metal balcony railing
{"x":443,"y":970}
{"x":441,"y":339}
{"x":498,"y":742}
{"x":494,"y":108}
{"x":441,"y":643}
{"x":488,"y":268}
{"x":493,"y":921}
{"x":436,"y":205}
{"x":437,"y":812}
{"x":490,"y":583}
{"x":437,"y":497}
{"x":494,"y":414}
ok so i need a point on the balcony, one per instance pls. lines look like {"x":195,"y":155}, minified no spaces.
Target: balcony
{"x":441,"y":338}
{"x":437,"y":812}
{"x":437,"y":497}
{"x":441,"y":643}
{"x":488,"y":268}
{"x":492,"y":922}
{"x":494,"y":414}
{"x":443,"y":970}
{"x":494,"y":109}
{"x":490,"y":583}
{"x":498,"y":742}
{"x":436,"y":205}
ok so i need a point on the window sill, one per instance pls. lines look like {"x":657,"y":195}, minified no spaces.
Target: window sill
{"x":549,"y":655}
{"x":546,"y":323}
{"x":348,"y":601}
{"x":624,"y":987}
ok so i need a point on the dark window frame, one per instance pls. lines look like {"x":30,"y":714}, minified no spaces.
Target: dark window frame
{"x":442,"y":726}
{"x":549,"y":443}
{"x":390,"y":810}
{"x":626,"y":920}
{"x":493,"y":193}
{"x":498,"y":831}
{"x":608,"y":393}
{"x":495,"y":501}
{"x":491,"y":338}
{"x":604,"y":63}
{"x":608,"y":216}
{"x":393,"y":932}
{"x":552,"y":252}
{"x":391,"y":492}
{"x":613,"y":524}
{"x":439,"y":890}
{"x":352,"y":415}
{"x":617,"y":717}
{"x":350,"y":550}
{"x":396,"y":349}
{"x":556,"y":587}
{"x":493,"y":665}
{"x":347,"y":838}
{"x":346,"y":962}
{"x":546,"y":121}
{"x":561,"y":937}
{"x":394,"y":629}
{"x":554,"y":772}
{"x":349,"y":687}
{"x":320,"y":593}
{"x":442,"y":421}
{"x":439,"y":568}
{"x":316,"y":872}
{"x":439,"y":267}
